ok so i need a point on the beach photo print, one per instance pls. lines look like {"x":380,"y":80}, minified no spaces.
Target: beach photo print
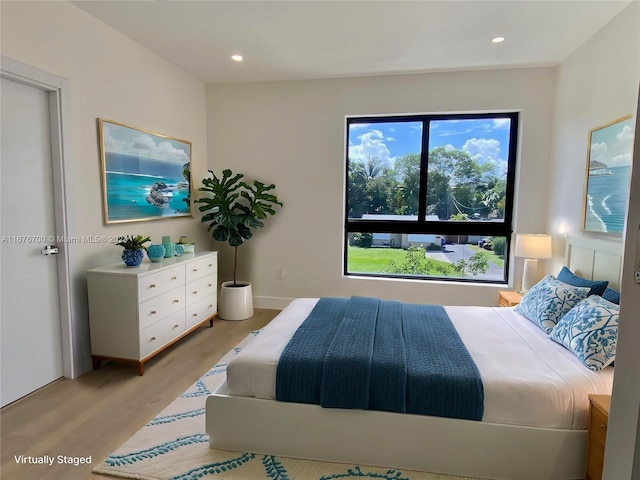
{"x":609,"y":155}
{"x":145,"y":175}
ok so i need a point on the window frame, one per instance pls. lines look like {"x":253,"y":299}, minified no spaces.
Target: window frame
{"x":422,"y":225}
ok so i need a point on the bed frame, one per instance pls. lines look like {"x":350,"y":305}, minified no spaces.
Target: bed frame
{"x":416,"y":442}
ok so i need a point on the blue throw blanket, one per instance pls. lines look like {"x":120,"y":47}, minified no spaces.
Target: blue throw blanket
{"x":367,"y":353}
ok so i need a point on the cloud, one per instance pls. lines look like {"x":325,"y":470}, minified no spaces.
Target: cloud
{"x":371,"y":146}
{"x":501,"y":123}
{"x":143,"y":142}
{"x":120,"y":140}
{"x":482,"y":149}
{"x":598,"y":151}
{"x":620,"y":160}
{"x":625,"y":134}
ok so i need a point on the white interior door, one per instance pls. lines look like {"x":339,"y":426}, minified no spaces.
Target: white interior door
{"x":31,"y":348}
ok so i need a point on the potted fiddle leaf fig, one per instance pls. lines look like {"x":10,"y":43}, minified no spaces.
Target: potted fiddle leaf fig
{"x":233,"y":210}
{"x":134,"y":249}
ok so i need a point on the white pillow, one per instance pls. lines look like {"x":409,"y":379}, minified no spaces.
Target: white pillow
{"x":590,"y":331}
{"x":549,"y":300}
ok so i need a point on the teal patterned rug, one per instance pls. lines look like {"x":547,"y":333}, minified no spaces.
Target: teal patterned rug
{"x":174,"y":445}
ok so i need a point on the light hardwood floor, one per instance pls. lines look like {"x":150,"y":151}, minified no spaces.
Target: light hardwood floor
{"x":97,"y":412}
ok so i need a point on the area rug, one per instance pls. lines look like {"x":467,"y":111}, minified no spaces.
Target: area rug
{"x":174,"y":445}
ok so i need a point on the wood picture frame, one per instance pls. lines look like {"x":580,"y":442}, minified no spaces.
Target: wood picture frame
{"x":145,"y":175}
{"x":608,"y":174}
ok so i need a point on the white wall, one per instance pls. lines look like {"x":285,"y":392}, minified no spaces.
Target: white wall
{"x":599,"y":83}
{"x":293,"y":134}
{"x":111,"y":77}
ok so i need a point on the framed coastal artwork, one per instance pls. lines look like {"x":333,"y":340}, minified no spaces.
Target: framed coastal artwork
{"x":609,"y":155}
{"x":145,"y":175}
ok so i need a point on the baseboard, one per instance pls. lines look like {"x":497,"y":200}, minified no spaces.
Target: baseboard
{"x":272,"y":303}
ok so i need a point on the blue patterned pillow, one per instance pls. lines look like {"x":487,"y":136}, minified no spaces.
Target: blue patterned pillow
{"x":548,"y":300}
{"x":590,"y":331}
{"x":597,"y":286}
{"x":612,"y":295}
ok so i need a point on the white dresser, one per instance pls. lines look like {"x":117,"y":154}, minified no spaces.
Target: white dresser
{"x":136,"y":312}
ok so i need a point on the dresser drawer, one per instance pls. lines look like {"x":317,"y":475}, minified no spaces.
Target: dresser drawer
{"x":595,"y":460}
{"x":201,"y":268}
{"x":157,"y":283}
{"x":151,"y":311}
{"x":198,"y":289}
{"x":598,"y":425}
{"x":161,"y":332}
{"x":200,"y":311}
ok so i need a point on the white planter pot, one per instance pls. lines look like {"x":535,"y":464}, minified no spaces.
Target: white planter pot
{"x":236,"y":303}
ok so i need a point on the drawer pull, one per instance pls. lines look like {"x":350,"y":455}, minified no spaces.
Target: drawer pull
{"x":153,"y":339}
{"x":176,"y":301}
{"x":195,"y":269}
{"x":209,"y":285}
{"x":210,"y":265}
{"x":176,"y":326}
{"x":153,"y":312}
{"x":603,"y":426}
{"x":195,"y":292}
{"x":210,"y":306}
{"x":194,"y":315}
{"x":174,"y":278}
{"x":153,"y":285}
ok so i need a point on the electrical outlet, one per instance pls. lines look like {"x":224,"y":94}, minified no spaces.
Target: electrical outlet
{"x":279,"y":274}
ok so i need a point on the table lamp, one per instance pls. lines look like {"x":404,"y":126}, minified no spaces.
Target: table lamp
{"x":531,"y":247}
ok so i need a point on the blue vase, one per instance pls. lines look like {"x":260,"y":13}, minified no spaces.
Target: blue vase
{"x":132,"y":257}
{"x":155,"y":252}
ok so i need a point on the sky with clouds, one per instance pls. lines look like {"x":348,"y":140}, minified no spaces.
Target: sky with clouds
{"x":128,"y":141}
{"x":613,"y":145}
{"x":486,"y":140}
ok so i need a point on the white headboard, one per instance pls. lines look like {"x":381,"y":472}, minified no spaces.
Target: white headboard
{"x":595,"y":258}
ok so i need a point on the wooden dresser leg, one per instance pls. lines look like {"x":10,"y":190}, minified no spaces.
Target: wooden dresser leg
{"x":140,"y":368}
{"x":96,"y":362}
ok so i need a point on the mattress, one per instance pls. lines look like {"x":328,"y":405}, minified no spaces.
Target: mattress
{"x":529,"y":380}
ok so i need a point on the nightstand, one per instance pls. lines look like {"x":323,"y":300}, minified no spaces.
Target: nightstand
{"x":598,"y":419}
{"x":508,"y":298}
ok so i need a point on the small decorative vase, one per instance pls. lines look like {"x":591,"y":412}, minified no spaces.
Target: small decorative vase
{"x":168,"y":246}
{"x":132,"y":257}
{"x":155,"y":252}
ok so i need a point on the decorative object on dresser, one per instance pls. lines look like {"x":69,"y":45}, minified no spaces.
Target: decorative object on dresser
{"x":598,"y":419}
{"x":155,"y":252}
{"x":508,"y":298}
{"x":235,"y":208}
{"x":134,"y":249}
{"x":135,"y":314}
{"x":531,"y":247}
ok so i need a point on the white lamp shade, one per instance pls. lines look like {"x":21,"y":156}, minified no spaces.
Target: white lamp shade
{"x":529,"y":245}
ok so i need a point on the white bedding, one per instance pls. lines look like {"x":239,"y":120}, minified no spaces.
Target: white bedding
{"x":528,"y":379}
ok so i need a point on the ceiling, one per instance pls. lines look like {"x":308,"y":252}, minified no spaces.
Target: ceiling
{"x":294,"y":40}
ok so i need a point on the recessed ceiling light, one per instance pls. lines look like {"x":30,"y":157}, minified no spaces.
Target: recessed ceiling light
{"x":237,"y":58}
{"x":497,"y":39}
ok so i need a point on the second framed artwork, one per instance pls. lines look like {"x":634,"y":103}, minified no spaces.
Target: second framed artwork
{"x":145,"y":175}
{"x":609,"y":156}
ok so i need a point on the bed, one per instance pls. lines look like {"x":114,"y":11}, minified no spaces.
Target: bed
{"x":526,"y":432}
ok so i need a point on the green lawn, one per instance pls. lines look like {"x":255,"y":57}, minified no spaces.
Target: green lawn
{"x":376,"y":260}
{"x":372,"y":260}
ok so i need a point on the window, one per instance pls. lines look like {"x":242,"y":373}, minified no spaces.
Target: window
{"x":430,"y":196}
